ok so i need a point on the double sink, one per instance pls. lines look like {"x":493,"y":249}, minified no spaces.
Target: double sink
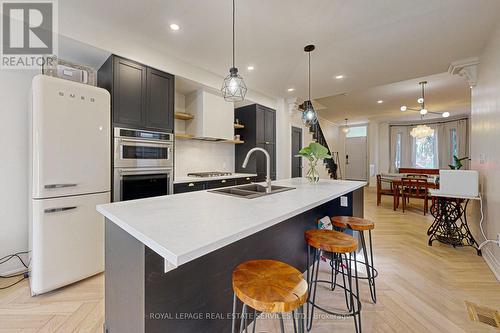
{"x":251,"y":191}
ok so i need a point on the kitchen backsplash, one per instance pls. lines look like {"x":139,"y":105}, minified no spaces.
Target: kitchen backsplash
{"x":196,"y":156}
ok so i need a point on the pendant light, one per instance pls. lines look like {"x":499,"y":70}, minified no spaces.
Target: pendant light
{"x":233,"y":87}
{"x":309,"y":115}
{"x":346,"y":128}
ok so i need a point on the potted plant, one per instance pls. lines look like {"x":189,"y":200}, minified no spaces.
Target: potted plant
{"x":458,"y":162}
{"x":314,"y":152}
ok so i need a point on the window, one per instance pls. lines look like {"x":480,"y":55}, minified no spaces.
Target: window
{"x":397,"y":160}
{"x":453,"y":145}
{"x":356,"y":132}
{"x":425,"y":152}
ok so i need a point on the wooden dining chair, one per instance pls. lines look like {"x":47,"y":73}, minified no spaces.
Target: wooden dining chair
{"x":384,"y":187}
{"x":417,"y":188}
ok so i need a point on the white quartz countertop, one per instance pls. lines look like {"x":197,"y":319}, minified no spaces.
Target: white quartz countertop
{"x":191,"y":179}
{"x":183,"y":227}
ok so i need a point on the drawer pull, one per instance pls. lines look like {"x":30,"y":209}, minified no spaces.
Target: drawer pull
{"x":223,"y":181}
{"x":52,"y":186}
{"x":248,"y":178}
{"x":58,"y":210}
{"x":191,"y":184}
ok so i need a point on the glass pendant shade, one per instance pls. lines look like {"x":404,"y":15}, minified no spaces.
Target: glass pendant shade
{"x":309,"y":116}
{"x":234,"y":88}
{"x":345,"y":130}
{"x":421,"y":131}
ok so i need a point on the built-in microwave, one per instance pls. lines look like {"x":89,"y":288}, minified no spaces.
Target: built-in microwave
{"x":142,"y":149}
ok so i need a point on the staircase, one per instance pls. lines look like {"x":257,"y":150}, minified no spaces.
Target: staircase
{"x":318,"y":136}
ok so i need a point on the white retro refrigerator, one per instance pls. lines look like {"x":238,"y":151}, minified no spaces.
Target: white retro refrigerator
{"x":70,"y":175}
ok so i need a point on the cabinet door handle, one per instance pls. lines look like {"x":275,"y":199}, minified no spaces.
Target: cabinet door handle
{"x":223,"y":181}
{"x":52,"y":186}
{"x":191,"y":184}
{"x":248,"y":178}
{"x":58,"y":210}
{"x":267,"y":142}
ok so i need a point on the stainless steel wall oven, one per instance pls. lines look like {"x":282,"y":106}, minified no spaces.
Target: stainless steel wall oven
{"x":143,"y":164}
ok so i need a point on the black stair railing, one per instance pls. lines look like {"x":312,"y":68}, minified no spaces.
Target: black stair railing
{"x":329,"y":163}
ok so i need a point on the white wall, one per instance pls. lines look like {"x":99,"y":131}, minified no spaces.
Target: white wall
{"x":14,"y":92}
{"x":485,"y":134}
{"x":196,"y":156}
{"x":383,"y":148}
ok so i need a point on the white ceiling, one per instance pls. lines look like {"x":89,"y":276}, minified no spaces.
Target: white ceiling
{"x":443,"y":92}
{"x":371,"y":42}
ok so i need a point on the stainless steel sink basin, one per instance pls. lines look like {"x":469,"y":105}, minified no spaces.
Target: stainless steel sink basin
{"x":250,"y":191}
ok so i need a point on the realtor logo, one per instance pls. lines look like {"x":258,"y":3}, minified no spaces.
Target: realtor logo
{"x":27,"y":33}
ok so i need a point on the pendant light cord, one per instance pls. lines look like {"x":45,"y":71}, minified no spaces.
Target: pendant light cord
{"x":309,"y":53}
{"x":423,"y":95}
{"x":234,"y":11}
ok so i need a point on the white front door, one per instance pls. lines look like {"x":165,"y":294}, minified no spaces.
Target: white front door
{"x":356,"y":158}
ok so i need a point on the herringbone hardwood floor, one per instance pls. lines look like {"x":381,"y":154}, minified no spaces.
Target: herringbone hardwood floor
{"x":420,"y":288}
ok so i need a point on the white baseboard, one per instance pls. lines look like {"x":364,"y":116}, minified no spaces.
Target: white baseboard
{"x":492,"y":262}
{"x":14,"y":271}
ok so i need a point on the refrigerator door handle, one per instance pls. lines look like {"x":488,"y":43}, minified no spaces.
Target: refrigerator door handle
{"x":52,"y":186}
{"x":59,"y":209}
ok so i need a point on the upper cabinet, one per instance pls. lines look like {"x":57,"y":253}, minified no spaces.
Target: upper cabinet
{"x":141,"y":97}
{"x":259,"y":131}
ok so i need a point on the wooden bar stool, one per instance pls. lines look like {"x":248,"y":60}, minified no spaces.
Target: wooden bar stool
{"x":361,"y":225}
{"x":338,"y":246}
{"x":269,"y":286}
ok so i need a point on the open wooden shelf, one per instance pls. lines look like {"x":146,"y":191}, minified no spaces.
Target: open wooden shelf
{"x":183,"y":136}
{"x":236,"y":142}
{"x":239,"y":126}
{"x":183,"y":116}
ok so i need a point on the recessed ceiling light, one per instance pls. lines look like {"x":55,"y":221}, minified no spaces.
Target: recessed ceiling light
{"x":291,"y":89}
{"x":174,"y":27}
{"x":380,"y":101}
{"x":250,"y":68}
{"x":339,"y":77}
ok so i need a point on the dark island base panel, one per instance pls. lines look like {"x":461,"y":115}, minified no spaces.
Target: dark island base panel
{"x":197,"y":296}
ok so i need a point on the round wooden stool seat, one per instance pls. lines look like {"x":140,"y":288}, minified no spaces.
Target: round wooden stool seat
{"x":269,"y":286}
{"x":353,"y":223}
{"x":331,"y":241}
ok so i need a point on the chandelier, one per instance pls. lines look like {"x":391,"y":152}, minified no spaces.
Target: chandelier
{"x":421,"y":131}
{"x":233,"y":88}
{"x":421,"y":100}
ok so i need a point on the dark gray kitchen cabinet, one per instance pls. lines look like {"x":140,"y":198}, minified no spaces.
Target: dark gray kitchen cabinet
{"x":141,"y":97}
{"x":189,"y":187}
{"x":160,"y":100}
{"x":210,"y":184}
{"x":259,"y":131}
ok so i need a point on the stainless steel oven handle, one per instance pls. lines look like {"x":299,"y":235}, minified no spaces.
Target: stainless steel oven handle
{"x":147,"y":171}
{"x":152,"y":142}
{"x":59,"y":209}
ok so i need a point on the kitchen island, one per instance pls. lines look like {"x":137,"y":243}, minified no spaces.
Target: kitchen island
{"x":169,"y":259}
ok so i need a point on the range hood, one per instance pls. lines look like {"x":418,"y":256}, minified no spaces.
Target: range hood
{"x":213,"y":116}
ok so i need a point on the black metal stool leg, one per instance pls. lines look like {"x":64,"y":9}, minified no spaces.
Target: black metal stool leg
{"x":233,"y":321}
{"x":313,"y":286}
{"x":254,"y":320}
{"x":282,"y":325}
{"x":243,"y":317}
{"x":374,"y":295}
{"x":301,"y":319}
{"x":351,"y":290}
{"x":358,"y":304}
{"x":347,"y":303}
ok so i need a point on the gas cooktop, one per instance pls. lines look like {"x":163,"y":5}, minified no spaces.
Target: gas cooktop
{"x":209,"y":174}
